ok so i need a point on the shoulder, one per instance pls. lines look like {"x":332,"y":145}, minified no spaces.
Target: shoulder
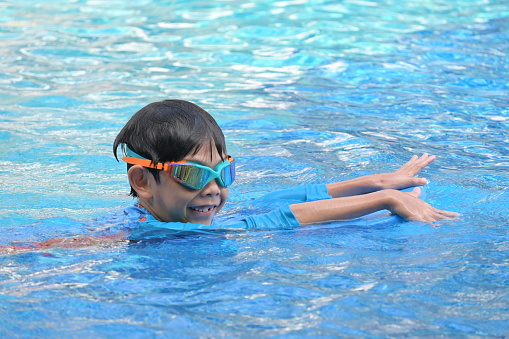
{"x":136,"y":212}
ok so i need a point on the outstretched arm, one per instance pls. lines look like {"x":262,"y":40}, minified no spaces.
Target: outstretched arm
{"x":406,"y":205}
{"x":403,"y":178}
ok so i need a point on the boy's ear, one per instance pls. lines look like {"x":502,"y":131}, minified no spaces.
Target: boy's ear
{"x":140,"y":181}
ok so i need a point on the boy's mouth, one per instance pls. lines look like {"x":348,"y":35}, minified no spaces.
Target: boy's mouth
{"x":203,"y":209}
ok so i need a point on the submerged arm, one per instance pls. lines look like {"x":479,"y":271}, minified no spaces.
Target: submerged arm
{"x":75,"y":242}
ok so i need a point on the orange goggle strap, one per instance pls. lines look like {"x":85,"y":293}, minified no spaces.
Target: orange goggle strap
{"x":134,"y":158}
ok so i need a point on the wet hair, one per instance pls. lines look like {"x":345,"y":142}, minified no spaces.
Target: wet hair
{"x":169,"y":130}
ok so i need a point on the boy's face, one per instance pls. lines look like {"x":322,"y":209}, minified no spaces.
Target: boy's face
{"x":172,"y":202}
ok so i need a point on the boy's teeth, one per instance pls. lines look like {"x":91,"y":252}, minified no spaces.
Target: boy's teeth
{"x":207,"y":209}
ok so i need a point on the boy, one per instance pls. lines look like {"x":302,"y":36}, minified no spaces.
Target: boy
{"x":179,"y":170}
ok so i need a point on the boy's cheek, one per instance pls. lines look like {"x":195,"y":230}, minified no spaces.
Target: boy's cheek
{"x":224,"y":198}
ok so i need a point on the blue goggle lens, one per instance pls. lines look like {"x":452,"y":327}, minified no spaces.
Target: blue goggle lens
{"x":197,"y":176}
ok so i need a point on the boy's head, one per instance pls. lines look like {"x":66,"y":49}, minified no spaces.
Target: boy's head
{"x":169,"y":130}
{"x":172,"y":131}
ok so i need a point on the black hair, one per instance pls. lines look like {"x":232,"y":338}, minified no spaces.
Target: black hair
{"x":169,"y":130}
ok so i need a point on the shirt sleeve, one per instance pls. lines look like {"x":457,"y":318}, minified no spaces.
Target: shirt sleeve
{"x":298,"y":194}
{"x":282,"y":217}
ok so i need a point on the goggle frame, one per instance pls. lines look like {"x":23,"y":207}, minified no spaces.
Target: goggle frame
{"x":173,"y":169}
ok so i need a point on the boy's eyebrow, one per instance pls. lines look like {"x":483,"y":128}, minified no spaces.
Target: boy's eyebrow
{"x":223,"y":158}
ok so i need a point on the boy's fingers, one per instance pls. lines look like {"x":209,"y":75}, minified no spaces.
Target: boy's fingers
{"x":416,"y":192}
{"x":416,"y":164}
{"x":428,"y":159}
{"x":420,"y":181}
{"x":446,"y":215}
{"x":424,"y":161}
{"x":450,"y":214}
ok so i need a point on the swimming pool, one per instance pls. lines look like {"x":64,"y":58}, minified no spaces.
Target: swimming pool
{"x":325,"y":90}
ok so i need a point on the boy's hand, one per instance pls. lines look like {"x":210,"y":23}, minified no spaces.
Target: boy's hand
{"x":410,"y":207}
{"x":405,"y":176}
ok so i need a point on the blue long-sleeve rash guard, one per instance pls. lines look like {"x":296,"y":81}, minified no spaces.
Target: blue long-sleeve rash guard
{"x":141,"y":222}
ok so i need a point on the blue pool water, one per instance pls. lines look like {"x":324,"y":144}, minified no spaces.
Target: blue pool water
{"x":306,"y":92}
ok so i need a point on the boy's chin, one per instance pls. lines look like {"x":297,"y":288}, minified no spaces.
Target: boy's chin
{"x":202,"y":217}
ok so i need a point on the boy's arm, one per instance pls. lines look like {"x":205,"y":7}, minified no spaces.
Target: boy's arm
{"x":402,"y":178}
{"x":406,"y":205}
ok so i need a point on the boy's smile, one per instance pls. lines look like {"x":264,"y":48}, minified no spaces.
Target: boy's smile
{"x":170,"y":201}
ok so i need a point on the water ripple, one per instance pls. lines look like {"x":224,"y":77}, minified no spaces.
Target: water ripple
{"x":306,"y":91}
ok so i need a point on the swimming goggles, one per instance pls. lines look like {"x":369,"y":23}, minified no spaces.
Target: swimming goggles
{"x":189,"y":173}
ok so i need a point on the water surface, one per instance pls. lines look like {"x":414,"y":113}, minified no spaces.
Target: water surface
{"x":305,"y":91}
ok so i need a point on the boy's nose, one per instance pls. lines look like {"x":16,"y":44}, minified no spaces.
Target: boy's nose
{"x":212,"y":188}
